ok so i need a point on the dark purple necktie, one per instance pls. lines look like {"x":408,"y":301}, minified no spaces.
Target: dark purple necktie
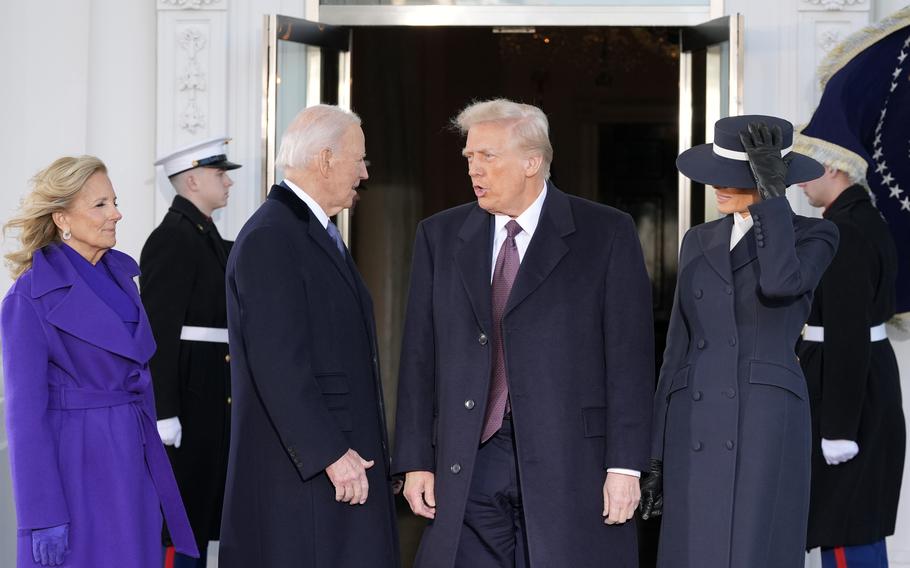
{"x":503,"y":277}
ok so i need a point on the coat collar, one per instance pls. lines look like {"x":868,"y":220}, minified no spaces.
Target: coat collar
{"x":185,"y":207}
{"x":715,"y":244}
{"x":316,"y":232}
{"x":547,"y":247}
{"x":80,"y":312}
{"x":850,"y":196}
{"x":744,"y":252}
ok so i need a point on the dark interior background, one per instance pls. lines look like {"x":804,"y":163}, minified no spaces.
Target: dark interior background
{"x":611,"y":95}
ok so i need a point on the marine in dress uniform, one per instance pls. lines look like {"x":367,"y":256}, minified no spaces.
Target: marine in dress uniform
{"x":182,"y":284}
{"x":858,"y":428}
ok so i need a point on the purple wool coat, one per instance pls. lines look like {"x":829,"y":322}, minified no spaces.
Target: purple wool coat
{"x":84,"y":449}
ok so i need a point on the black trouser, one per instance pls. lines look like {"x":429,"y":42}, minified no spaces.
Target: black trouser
{"x":493,"y":533}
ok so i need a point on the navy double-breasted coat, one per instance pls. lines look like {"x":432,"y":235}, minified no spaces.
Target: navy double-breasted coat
{"x":306,"y":387}
{"x":578,"y":342}
{"x":731,"y":410}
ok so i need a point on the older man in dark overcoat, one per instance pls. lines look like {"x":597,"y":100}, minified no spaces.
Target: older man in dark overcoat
{"x":527,"y":364}
{"x":308,"y":474}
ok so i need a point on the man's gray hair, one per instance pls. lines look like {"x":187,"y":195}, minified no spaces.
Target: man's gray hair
{"x":313,"y":130}
{"x":529,"y":125}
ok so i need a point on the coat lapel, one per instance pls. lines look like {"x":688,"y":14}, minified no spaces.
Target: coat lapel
{"x":82,"y":313}
{"x":546,"y":249}
{"x":715,"y":245}
{"x":315,"y":230}
{"x":124,"y":270}
{"x":744,"y":252}
{"x":474,"y":258}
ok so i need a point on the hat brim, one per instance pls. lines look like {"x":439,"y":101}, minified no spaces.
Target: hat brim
{"x":701,"y":164}
{"x":225,"y":165}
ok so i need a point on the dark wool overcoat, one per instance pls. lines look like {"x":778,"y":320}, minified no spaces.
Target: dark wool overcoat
{"x":854,"y":385}
{"x":306,"y":388}
{"x":182,"y":284}
{"x":731,"y":413}
{"x":578,"y":342}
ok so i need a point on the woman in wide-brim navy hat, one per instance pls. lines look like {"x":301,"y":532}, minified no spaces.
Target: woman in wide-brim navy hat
{"x":731,"y":443}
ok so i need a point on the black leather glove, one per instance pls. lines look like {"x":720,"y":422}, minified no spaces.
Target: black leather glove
{"x":652,"y":491}
{"x":763,"y":146}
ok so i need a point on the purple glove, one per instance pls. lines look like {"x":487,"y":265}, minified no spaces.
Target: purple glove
{"x":50,"y":545}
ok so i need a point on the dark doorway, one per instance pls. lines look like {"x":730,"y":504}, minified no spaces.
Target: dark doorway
{"x":612,"y":97}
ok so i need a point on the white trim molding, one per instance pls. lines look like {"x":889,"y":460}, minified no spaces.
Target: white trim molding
{"x":191,"y":4}
{"x":833,"y":5}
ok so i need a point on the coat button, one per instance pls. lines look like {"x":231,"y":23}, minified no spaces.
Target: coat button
{"x":227,"y":358}
{"x":696,"y":447}
{"x":728,"y":290}
{"x":482,"y":339}
{"x":755,"y":217}
{"x":732,"y":341}
{"x":701,"y":344}
{"x":729,"y":444}
{"x":456,"y":468}
{"x":699,"y":293}
{"x":730,"y":393}
{"x":469,"y":404}
{"x":696,"y":395}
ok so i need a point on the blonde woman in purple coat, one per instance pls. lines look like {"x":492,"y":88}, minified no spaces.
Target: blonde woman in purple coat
{"x":90,"y":476}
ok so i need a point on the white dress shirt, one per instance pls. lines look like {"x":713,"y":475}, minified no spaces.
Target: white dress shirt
{"x":741,"y":226}
{"x":528,"y":221}
{"x":310,"y":202}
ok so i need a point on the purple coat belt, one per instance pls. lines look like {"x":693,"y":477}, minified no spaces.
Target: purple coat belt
{"x":155,"y":456}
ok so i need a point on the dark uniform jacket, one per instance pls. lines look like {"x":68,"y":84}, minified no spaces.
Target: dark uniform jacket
{"x":182,"y":284}
{"x":731,"y":409}
{"x":578,"y":342}
{"x":306,"y":388}
{"x":854,"y":385}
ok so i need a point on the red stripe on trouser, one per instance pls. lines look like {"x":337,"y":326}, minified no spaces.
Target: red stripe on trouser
{"x":840,"y":557}
{"x":169,"y":557}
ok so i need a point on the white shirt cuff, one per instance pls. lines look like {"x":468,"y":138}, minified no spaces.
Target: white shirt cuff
{"x":631,"y":472}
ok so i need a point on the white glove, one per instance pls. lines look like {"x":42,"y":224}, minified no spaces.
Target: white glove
{"x":170,"y":431}
{"x":839,"y":451}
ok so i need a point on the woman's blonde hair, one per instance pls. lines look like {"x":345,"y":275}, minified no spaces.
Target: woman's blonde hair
{"x":53,"y":189}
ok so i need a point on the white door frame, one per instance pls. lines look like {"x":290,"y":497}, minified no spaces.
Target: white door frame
{"x":511,"y":15}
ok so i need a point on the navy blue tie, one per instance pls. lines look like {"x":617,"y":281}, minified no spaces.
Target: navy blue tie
{"x":336,"y":236}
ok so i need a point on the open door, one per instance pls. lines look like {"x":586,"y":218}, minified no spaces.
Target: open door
{"x":305,"y":63}
{"x":710,"y":88}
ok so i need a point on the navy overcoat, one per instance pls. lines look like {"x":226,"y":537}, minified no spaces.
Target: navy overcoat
{"x":306,"y":387}
{"x":578,"y":341}
{"x":731,"y":413}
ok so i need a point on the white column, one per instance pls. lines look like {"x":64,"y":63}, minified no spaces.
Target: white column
{"x":192,"y":83}
{"x":120,"y":111}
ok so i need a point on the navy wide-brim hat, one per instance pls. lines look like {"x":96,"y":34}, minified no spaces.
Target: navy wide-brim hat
{"x":724,"y":163}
